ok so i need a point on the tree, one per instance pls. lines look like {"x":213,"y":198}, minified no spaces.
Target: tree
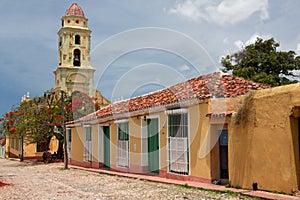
{"x":261,"y":62}
{"x":34,"y":119}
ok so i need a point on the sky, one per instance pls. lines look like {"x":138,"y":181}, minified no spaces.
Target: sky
{"x":137,"y":46}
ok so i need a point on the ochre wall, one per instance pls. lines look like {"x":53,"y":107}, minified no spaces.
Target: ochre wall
{"x":135,"y":141}
{"x":264,"y":145}
{"x":78,"y":143}
{"x":95,"y":149}
{"x":30,"y":148}
{"x":113,"y":144}
{"x":199,"y":141}
{"x":163,"y":134}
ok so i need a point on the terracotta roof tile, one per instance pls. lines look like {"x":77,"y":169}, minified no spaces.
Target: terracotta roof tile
{"x":75,"y":10}
{"x":211,"y":85}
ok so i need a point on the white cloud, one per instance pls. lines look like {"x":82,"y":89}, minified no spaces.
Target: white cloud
{"x":184,"y":68}
{"x":240,"y":44}
{"x":227,"y":11}
{"x":187,"y":9}
{"x":298,"y":49}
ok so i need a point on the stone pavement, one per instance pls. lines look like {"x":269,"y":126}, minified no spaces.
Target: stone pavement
{"x":250,"y":193}
{"x":39,"y":181}
{"x":31,"y":180}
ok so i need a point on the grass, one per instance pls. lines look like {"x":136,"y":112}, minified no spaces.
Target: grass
{"x":63,"y":169}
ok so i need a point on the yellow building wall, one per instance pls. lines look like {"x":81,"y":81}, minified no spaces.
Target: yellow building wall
{"x":264,"y":144}
{"x":200,"y":163}
{"x":163,"y":136}
{"x":95,"y":139}
{"x":135,"y":157}
{"x":78,"y":143}
{"x":30,"y":148}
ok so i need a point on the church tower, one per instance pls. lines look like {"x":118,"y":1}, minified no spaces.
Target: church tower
{"x":74,"y":71}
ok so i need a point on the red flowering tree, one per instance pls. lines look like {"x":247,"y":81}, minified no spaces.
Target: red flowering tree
{"x":82,"y":104}
{"x":34,"y":119}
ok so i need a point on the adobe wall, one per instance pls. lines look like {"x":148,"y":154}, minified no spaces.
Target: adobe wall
{"x":263,"y":143}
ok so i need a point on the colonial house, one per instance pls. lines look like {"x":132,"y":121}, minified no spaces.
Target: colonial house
{"x":213,"y":127}
{"x":32,"y":151}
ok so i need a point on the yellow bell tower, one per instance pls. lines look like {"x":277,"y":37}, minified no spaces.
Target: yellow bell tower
{"x":74,"y":71}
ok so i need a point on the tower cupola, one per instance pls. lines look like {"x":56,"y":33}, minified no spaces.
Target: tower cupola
{"x":75,"y":10}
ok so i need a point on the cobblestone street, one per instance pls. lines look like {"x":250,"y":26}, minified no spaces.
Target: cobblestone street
{"x":50,"y":181}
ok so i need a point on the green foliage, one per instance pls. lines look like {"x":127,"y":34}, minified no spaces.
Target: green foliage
{"x":243,"y":112}
{"x":186,"y":185}
{"x":35,"y":119}
{"x":261,"y":62}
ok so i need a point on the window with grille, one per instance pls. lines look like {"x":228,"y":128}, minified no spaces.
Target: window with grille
{"x":178,"y":146}
{"x":88,"y":144}
{"x":13,"y":142}
{"x":123,"y":144}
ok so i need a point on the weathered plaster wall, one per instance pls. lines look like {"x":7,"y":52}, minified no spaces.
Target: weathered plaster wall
{"x":199,"y":141}
{"x":78,"y":143}
{"x":262,"y":145}
{"x":163,"y":134}
{"x":135,"y":143}
{"x":95,"y":140}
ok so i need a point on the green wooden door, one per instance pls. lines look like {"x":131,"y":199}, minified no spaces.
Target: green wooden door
{"x":106,"y":146}
{"x":153,"y":145}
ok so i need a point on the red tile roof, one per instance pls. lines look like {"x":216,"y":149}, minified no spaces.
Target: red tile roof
{"x":75,"y":9}
{"x":211,"y":85}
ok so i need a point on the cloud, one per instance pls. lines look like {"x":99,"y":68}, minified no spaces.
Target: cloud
{"x":298,"y":49}
{"x":227,"y":11}
{"x":240,"y":44}
{"x":184,"y":68}
{"x":188,"y":9}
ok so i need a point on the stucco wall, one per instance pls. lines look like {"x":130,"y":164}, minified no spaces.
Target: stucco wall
{"x":78,"y":143}
{"x":199,"y":141}
{"x":263,"y":142}
{"x":30,"y":148}
{"x":135,"y":141}
{"x":113,"y":144}
{"x":95,"y":140}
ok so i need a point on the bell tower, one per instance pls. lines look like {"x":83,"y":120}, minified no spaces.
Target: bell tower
{"x":74,"y":71}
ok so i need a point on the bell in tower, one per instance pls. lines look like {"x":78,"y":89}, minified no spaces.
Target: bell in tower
{"x":76,"y":61}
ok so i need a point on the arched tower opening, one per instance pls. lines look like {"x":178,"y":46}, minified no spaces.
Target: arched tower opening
{"x":76,"y":60}
{"x":77,"y":39}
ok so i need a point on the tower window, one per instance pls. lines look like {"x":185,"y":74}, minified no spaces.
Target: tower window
{"x":77,"y":39}
{"x":76,"y":60}
{"x":62,"y":22}
{"x":77,"y":21}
